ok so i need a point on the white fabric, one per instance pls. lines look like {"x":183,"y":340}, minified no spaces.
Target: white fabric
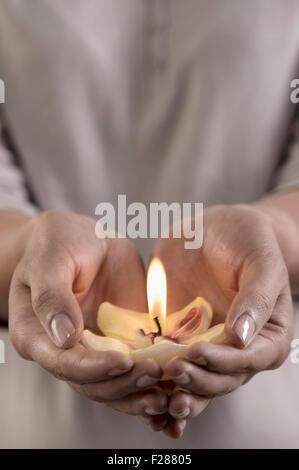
{"x":164,"y":100}
{"x":161,"y":100}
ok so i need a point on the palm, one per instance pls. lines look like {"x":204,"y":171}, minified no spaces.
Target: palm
{"x":214,"y":270}
{"x":119,"y":279}
{"x":191,"y":274}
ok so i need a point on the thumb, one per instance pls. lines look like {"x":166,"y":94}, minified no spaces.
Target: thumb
{"x":259,"y":287}
{"x":57,"y":309}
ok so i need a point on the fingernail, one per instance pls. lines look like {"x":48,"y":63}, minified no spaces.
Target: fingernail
{"x":115,"y":372}
{"x":62,"y":329}
{"x":182,"y":379}
{"x":152,"y":412}
{"x":181,"y":415}
{"x":145,"y":381}
{"x":244,"y":328}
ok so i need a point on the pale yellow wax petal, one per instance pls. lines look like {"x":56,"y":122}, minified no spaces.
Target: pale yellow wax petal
{"x":161,"y":352}
{"x":103,"y":343}
{"x":215,"y":335}
{"x":174,"y":318}
{"x":142,"y":341}
{"x":123,"y":324}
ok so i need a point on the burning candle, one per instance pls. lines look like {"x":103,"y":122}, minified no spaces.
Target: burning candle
{"x":154,"y":335}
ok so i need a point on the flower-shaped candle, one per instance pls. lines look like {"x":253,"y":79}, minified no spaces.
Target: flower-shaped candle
{"x":154,"y":335}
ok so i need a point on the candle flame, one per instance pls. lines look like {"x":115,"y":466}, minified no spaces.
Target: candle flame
{"x":156,"y":290}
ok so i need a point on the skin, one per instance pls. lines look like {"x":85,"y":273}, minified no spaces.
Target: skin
{"x":245,"y":266}
{"x":56,"y":265}
{"x":63,"y":269}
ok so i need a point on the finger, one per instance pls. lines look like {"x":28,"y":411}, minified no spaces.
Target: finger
{"x":77,"y":364}
{"x":175,"y":428}
{"x":200,"y":381}
{"x":53,"y":301}
{"x":147,"y":403}
{"x":267,"y":351}
{"x":157,"y":423}
{"x":261,"y":282}
{"x":144,"y":374}
{"x":170,"y":426}
{"x":226,"y":359}
{"x":183,"y":405}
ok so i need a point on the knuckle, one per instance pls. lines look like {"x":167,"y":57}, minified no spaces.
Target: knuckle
{"x":247,"y":377}
{"x":20,"y":342}
{"x":286,"y":347}
{"x":81,"y":362}
{"x":245,"y":362}
{"x":123,"y":388}
{"x":257,"y":363}
{"x":59,"y":366}
{"x":283,"y":274}
{"x":43,"y":300}
{"x":229,"y":387}
{"x":93,"y":393}
{"x":180,"y":405}
{"x":197,"y":350}
{"x":268,"y":258}
{"x":264,"y":252}
{"x":250,"y":365}
{"x":214,"y":388}
{"x":282,"y":352}
{"x":276,"y":363}
{"x":206,"y":389}
{"x":263,"y":302}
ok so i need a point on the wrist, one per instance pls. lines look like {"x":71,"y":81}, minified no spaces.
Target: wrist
{"x":15,"y":230}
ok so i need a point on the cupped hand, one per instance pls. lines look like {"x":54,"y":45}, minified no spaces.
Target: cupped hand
{"x":241,"y":271}
{"x":65,"y":272}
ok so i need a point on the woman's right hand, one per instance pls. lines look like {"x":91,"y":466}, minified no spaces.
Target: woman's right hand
{"x":64,"y":273}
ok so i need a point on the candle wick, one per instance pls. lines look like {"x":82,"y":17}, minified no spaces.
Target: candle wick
{"x":156,"y":319}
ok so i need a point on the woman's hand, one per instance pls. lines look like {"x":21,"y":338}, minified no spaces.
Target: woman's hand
{"x":64,"y":273}
{"x":241,"y":271}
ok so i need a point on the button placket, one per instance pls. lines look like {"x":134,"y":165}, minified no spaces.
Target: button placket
{"x":159,"y":21}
